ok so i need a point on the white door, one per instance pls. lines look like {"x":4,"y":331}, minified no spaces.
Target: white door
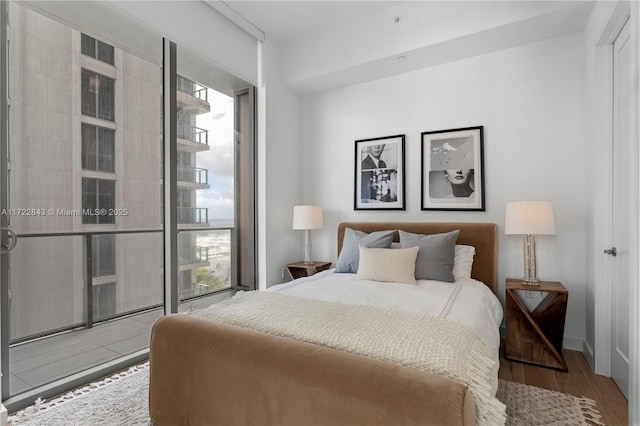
{"x":625,"y":178}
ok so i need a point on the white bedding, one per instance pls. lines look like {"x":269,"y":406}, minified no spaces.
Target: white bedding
{"x":468,"y":301}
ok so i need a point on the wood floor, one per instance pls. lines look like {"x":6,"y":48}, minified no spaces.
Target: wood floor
{"x":580,"y":380}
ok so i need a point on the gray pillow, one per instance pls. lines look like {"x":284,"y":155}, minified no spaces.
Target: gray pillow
{"x":349,"y":257}
{"x":436,"y":255}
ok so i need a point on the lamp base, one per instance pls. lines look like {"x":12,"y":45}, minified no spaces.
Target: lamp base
{"x":307,"y":248}
{"x":530,"y":281}
{"x":529,"y":249}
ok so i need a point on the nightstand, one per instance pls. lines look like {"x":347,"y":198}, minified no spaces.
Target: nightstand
{"x":536,"y":337}
{"x":301,"y":269}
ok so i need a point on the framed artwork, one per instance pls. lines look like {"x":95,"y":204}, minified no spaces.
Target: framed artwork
{"x":379,"y":174}
{"x":452,"y":169}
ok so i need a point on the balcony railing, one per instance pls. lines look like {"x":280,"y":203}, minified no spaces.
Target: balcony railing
{"x":193,"y":215}
{"x":79,"y":249}
{"x":55,"y":295}
{"x":29,"y":319}
{"x":192,"y":88}
{"x":193,"y":175}
{"x":193,"y":134}
{"x":191,"y":255}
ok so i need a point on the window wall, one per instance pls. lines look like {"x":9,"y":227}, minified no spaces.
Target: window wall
{"x":86,"y":146}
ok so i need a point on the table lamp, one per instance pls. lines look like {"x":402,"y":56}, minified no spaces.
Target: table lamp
{"x":306,"y":218}
{"x":529,"y":218}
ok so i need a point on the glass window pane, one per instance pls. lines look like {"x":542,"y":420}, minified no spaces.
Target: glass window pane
{"x":88,"y":45}
{"x":89,"y":200}
{"x":106,"y":150}
{"x":64,"y":158}
{"x":104,"y":255}
{"x":104,"y":301}
{"x":106,"y":201}
{"x":43,"y":293}
{"x":204,"y":258}
{"x":89,"y":93}
{"x":88,"y":147}
{"x":105,"y":53}
{"x":106,"y":98}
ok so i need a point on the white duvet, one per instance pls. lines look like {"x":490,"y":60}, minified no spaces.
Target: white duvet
{"x":468,"y":302}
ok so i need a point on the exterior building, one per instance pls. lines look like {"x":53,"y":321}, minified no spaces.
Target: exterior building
{"x":192,"y":101}
{"x":86,"y":172}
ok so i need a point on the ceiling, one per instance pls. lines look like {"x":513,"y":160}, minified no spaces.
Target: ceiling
{"x":288,"y":21}
{"x":331,"y":43}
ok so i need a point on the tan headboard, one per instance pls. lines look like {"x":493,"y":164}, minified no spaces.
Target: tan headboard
{"x":483,"y":236}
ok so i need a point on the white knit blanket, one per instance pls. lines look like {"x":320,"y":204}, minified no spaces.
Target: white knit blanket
{"x":419,"y":341}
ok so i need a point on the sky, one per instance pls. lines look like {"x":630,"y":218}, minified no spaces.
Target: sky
{"x":219,"y":158}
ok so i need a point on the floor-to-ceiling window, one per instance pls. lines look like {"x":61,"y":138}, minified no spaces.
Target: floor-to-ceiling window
{"x":83,"y":171}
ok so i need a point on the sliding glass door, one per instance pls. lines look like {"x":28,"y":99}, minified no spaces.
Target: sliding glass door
{"x":118,"y":204}
{"x":83,"y":177}
{"x":216,"y":180}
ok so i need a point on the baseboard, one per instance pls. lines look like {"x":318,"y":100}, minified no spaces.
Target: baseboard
{"x":573,"y":343}
{"x":588,"y":354}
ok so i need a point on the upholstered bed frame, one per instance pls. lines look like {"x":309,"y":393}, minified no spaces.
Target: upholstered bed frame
{"x":208,"y":373}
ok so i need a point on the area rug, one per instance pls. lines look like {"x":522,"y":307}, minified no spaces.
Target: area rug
{"x":529,"y":405}
{"x":122,"y":400}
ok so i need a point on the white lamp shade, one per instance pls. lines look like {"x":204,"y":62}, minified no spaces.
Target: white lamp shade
{"x":529,"y":218}
{"x":307,"y":217}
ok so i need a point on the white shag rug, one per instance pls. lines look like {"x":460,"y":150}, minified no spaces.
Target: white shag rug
{"x":119,"y":400}
{"x":122,"y":400}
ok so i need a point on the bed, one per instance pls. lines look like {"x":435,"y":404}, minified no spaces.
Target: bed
{"x":341,"y":349}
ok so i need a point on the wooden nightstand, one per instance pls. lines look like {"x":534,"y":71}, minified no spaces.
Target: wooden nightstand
{"x":301,"y":269}
{"x":536,"y":337}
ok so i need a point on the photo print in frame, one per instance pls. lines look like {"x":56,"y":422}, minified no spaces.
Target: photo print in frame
{"x":379,"y":174}
{"x":452,"y":169}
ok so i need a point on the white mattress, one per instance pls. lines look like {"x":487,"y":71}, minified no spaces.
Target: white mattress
{"x":468,"y":302}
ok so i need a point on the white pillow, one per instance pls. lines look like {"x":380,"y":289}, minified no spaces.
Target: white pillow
{"x":463,"y":262}
{"x":388,"y":265}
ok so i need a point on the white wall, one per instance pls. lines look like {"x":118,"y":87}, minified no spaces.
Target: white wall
{"x":529,"y":100}
{"x":280,"y":168}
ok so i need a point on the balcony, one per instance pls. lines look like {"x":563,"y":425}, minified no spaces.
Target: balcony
{"x":193,"y":257}
{"x":192,"y":139}
{"x":193,"y":216}
{"x":192,"y":177}
{"x":57,"y":326}
{"x":192,"y":96}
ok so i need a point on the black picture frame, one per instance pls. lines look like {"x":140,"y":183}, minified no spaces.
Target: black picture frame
{"x":453,"y":169}
{"x":379,"y":181}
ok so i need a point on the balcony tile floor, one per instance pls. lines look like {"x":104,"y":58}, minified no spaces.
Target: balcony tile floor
{"x":42,"y":361}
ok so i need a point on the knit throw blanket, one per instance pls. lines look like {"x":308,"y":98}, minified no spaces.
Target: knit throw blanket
{"x":419,"y":341}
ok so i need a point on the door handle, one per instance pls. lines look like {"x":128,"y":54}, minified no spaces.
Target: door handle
{"x":14,"y":241}
{"x":612,"y":251}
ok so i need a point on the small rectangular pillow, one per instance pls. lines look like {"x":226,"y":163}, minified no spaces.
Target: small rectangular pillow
{"x":349,"y":257}
{"x":388,"y":265}
{"x":436,"y":255}
{"x":463,"y":262}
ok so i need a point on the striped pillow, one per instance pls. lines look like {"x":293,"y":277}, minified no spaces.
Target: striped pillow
{"x":389,"y":265}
